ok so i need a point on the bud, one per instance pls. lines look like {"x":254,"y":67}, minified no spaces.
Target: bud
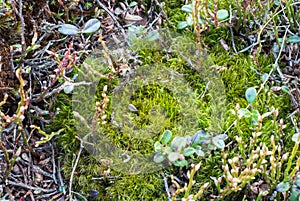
{"x":285,"y":156}
{"x":235,"y":159}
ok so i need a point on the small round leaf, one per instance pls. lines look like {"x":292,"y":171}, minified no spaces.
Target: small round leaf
{"x":159,"y":157}
{"x":178,"y":143}
{"x":91,"y":26}
{"x":189,"y":20}
{"x":250,"y":94}
{"x":153,"y":35}
{"x":157,"y":147}
{"x":180,"y":163}
{"x":218,"y":142}
{"x":173,"y":156}
{"x":295,"y":137}
{"x":199,"y":152}
{"x":187,"y":8}
{"x":188,"y":151}
{"x":182,"y":25}
{"x":222,"y":14}
{"x":283,"y":187}
{"x":69,"y":88}
{"x":68,"y":29}
{"x":243,"y":112}
{"x":132,"y":4}
{"x":293,"y":39}
{"x":285,"y":89}
{"x":166,"y":137}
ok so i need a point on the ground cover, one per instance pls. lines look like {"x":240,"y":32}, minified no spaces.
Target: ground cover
{"x":240,"y":145}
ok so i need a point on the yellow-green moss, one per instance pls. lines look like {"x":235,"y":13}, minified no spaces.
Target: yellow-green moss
{"x":237,"y":76}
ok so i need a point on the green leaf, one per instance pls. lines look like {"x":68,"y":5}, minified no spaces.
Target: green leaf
{"x":275,"y":48}
{"x":182,"y":25}
{"x":189,"y":20}
{"x":167,"y":150}
{"x":159,"y":157}
{"x":187,"y":8}
{"x":62,"y":188}
{"x":166,"y":137}
{"x":222,"y":136}
{"x":250,"y":94}
{"x":264,"y":77}
{"x":201,"y":20}
{"x":69,"y":88}
{"x":153,"y":35}
{"x":293,"y":39}
{"x":204,"y":137}
{"x":295,"y":194}
{"x":198,"y":151}
{"x":218,"y":142}
{"x":180,"y":163}
{"x":297,"y":181}
{"x":244,"y":112}
{"x":222,"y":14}
{"x":295,"y":137}
{"x":91,"y":26}
{"x":188,"y":151}
{"x":196,"y":138}
{"x":211,"y":147}
{"x":283,"y":187}
{"x":178,"y":143}
{"x":132,"y":4}
{"x":173,"y":156}
{"x":277,"y":2}
{"x":285,"y":89}
{"x":157,"y":147}
{"x":254,"y":117}
{"x":68,"y":29}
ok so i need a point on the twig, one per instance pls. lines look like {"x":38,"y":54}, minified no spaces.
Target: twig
{"x":206,"y":89}
{"x":114,"y":19}
{"x":167,"y":188}
{"x":74,"y":168}
{"x":20,"y":184}
{"x":60,"y":177}
{"x":249,"y":47}
{"x":54,"y":166}
{"x":164,"y":15}
{"x":45,"y":95}
{"x":36,"y":168}
{"x":22,"y":27}
{"x":231,"y":31}
{"x":271,"y":18}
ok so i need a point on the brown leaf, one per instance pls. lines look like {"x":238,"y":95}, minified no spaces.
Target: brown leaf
{"x":133,"y":17}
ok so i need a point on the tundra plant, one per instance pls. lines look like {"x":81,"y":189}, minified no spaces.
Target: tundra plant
{"x":260,"y":161}
{"x":183,"y":147}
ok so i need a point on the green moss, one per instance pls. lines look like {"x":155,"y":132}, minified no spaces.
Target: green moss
{"x":138,"y":187}
{"x":237,"y":77}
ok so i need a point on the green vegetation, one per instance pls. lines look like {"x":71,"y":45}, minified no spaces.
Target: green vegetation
{"x":144,"y":139}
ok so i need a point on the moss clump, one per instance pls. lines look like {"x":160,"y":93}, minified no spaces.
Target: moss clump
{"x":237,"y":74}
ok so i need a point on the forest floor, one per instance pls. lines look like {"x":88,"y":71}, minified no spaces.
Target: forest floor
{"x":149,"y":100}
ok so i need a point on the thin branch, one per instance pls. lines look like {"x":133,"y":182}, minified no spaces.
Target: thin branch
{"x":114,"y":19}
{"x":20,"y":184}
{"x":74,"y":168}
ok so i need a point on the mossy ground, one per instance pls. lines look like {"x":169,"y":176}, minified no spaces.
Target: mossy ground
{"x":237,"y":75}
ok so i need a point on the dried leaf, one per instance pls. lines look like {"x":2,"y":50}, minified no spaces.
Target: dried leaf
{"x":133,"y":17}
